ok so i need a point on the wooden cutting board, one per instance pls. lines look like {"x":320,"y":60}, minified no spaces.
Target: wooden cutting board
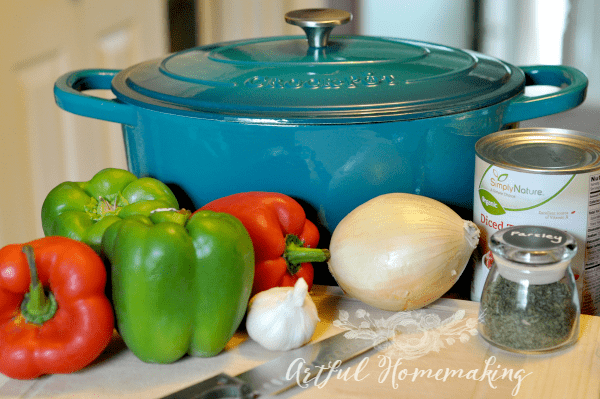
{"x":439,"y":355}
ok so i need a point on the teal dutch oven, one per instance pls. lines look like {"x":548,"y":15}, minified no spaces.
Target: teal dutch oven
{"x":332,"y":121}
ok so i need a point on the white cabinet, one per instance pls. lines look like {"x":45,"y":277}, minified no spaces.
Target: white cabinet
{"x":40,"y":144}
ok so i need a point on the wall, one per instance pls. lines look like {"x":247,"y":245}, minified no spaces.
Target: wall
{"x":521,"y":32}
{"x":448,"y":22}
{"x":224,"y":20}
{"x":532,"y":32}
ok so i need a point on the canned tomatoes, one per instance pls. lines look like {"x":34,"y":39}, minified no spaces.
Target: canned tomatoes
{"x":544,"y":177}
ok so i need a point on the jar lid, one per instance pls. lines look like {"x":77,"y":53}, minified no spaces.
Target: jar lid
{"x":345,"y":79}
{"x":535,"y":253}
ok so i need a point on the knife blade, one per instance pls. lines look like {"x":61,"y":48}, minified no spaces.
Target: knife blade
{"x":300,"y":365}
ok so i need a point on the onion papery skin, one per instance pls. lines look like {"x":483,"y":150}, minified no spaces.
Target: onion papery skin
{"x":400,"y":251}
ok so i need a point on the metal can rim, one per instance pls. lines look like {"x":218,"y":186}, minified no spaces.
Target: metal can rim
{"x":496,"y":148}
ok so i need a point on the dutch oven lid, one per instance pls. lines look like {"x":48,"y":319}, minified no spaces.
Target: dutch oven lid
{"x":338,"y":79}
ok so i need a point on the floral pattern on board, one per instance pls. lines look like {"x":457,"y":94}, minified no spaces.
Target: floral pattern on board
{"x":409,"y":335}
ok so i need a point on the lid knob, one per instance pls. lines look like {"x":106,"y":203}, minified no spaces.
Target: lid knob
{"x":318,"y":23}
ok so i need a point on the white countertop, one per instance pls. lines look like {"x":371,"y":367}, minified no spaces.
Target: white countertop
{"x":459,"y":364}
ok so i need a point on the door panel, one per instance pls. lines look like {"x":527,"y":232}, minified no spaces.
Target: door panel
{"x":40,"y":144}
{"x":51,"y":150}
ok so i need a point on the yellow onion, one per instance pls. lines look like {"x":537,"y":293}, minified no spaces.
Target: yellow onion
{"x":401,"y":251}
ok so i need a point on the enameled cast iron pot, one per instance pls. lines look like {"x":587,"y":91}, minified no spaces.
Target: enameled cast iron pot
{"x":332,"y":122}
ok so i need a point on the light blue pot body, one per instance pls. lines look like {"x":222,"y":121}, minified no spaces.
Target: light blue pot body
{"x":331,"y":169}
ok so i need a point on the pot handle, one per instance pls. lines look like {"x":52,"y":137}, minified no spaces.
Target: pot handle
{"x":68,"y":95}
{"x":572,"y":83}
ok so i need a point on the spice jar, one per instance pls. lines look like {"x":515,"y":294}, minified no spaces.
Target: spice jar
{"x":529,"y":302}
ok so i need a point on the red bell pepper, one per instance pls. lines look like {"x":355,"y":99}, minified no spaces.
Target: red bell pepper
{"x":282,"y":237}
{"x":54,"y":314}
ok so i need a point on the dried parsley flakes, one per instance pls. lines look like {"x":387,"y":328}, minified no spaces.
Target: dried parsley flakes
{"x":528,"y":317}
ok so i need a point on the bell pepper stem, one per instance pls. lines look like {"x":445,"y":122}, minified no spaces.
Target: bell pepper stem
{"x":37,"y":307}
{"x":296,"y":253}
{"x":178,"y":216}
{"x":109,"y":205}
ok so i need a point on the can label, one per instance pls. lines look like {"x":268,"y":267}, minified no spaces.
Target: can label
{"x":569,"y":202}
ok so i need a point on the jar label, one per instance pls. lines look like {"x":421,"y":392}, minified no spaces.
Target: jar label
{"x":535,"y":237}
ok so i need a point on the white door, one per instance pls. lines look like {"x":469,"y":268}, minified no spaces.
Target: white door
{"x":40,"y":144}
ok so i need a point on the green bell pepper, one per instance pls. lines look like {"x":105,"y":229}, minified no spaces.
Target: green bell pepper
{"x":180,"y":284}
{"x":83,"y":210}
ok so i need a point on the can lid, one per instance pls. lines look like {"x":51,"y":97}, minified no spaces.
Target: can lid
{"x":541,"y":150}
{"x":536,"y":253}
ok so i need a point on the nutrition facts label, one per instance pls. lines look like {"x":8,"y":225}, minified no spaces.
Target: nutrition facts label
{"x":591,"y":297}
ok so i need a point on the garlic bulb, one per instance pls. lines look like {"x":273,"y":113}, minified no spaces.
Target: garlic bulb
{"x":282,"y":318}
{"x":400,"y":251}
